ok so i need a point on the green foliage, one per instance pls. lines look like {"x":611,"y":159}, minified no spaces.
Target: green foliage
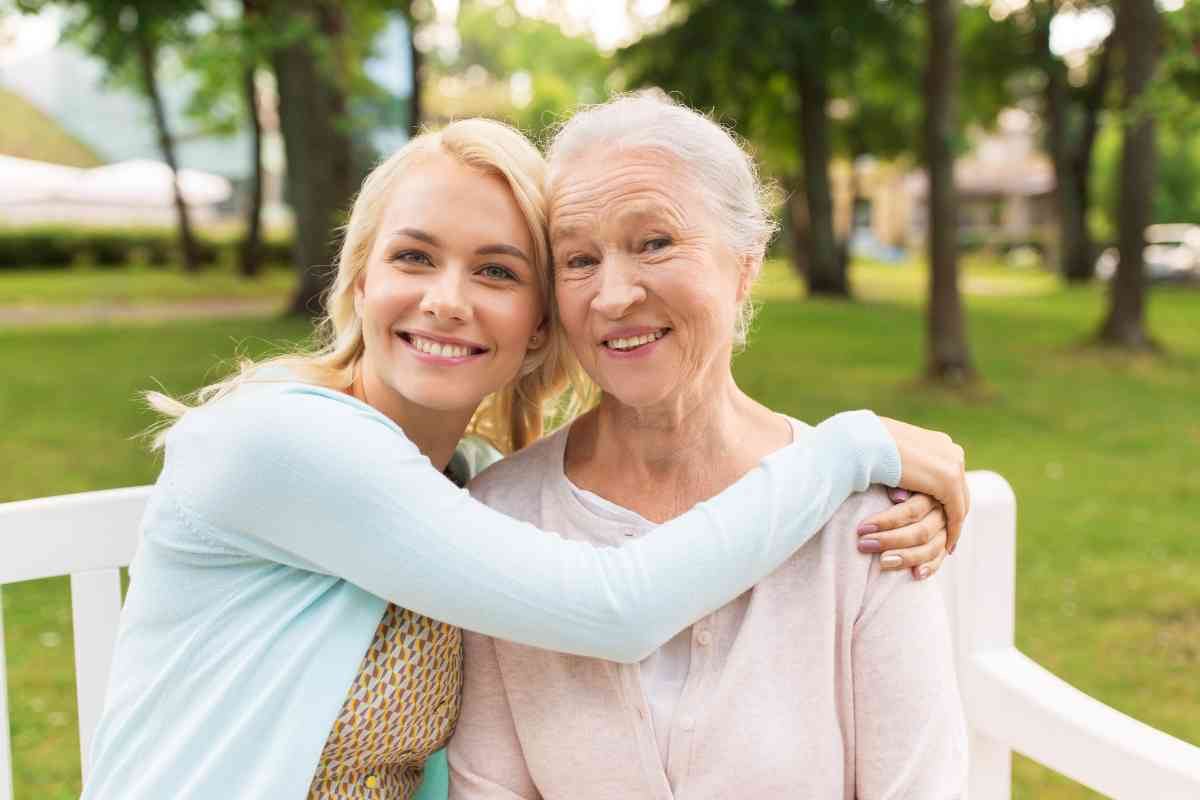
{"x":742,"y":60}
{"x":1177,"y":190}
{"x":107,"y":28}
{"x":59,"y":247}
{"x":502,"y":48}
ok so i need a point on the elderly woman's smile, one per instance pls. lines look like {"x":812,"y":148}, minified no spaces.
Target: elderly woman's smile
{"x":647,"y":290}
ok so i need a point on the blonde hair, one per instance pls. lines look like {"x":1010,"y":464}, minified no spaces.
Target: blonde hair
{"x":509,"y":418}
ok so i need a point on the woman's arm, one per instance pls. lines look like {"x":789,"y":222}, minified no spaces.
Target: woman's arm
{"x":910,"y":735}
{"x":313,"y":478}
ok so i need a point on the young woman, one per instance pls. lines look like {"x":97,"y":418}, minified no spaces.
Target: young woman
{"x":279,"y":635}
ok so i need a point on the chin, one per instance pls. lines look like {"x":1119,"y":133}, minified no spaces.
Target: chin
{"x":440,"y":395}
{"x":637,"y":393}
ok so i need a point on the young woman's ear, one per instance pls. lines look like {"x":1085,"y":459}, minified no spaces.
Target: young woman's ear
{"x":537,"y":339}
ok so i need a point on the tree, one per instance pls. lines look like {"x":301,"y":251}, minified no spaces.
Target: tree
{"x":1138,"y":31}
{"x":129,"y":36}
{"x":1072,"y":122}
{"x":250,"y":253}
{"x":775,"y":68}
{"x":949,"y":358}
{"x":493,"y":74}
{"x":410,"y":9}
{"x":312,"y":70}
{"x":226,"y":100}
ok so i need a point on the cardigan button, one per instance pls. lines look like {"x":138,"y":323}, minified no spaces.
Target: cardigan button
{"x":705,"y":638}
{"x":687,"y":723}
{"x":372,"y":782}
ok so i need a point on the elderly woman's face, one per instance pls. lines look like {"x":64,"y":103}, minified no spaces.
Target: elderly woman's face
{"x":647,"y":289}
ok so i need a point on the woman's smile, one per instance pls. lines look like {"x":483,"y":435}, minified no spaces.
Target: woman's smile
{"x":439,"y":350}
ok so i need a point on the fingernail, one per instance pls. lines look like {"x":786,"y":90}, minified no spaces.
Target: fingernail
{"x":869,"y":546}
{"x":900,"y":495}
{"x":868,"y":528}
{"x":922,"y":572}
{"x":891,"y":560}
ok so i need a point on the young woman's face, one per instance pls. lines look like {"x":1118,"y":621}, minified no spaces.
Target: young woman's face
{"x":450,"y":297}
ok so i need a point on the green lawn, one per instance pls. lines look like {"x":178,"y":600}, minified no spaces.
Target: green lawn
{"x":136,"y":286}
{"x":1101,"y":450}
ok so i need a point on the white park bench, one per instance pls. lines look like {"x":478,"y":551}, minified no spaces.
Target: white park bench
{"x":1011,"y":703}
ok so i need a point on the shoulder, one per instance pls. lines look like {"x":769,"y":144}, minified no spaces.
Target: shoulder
{"x":834,"y":550}
{"x":516,"y":480}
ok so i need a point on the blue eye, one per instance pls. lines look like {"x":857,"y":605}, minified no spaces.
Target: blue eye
{"x":412,"y":257}
{"x":657,"y":243}
{"x":498,"y":272}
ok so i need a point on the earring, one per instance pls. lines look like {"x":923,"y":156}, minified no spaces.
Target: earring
{"x":533,"y":340}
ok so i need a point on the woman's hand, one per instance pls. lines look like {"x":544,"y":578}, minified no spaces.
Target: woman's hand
{"x":932,"y":464}
{"x":911,"y":534}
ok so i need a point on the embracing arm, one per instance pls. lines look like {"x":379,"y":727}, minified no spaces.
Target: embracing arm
{"x":312,"y":478}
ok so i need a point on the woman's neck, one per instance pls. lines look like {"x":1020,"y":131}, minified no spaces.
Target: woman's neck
{"x":435,"y":433}
{"x":662,"y":460}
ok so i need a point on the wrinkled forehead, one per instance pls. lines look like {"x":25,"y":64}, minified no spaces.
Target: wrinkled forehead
{"x":608,"y":182}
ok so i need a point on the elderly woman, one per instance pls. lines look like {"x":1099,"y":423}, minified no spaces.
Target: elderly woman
{"x":812,"y":684}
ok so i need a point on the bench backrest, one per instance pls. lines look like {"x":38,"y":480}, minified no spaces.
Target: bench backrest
{"x":1010,"y":702}
{"x":89,"y":537}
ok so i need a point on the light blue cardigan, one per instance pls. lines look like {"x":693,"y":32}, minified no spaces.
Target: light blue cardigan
{"x":287,"y":516}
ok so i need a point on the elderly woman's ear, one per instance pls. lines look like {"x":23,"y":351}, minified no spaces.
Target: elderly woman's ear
{"x":749,"y":267}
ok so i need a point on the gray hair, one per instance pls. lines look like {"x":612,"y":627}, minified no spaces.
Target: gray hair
{"x":722,"y":169}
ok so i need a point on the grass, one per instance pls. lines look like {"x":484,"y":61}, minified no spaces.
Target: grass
{"x":1099,"y":447}
{"x":137,"y":286}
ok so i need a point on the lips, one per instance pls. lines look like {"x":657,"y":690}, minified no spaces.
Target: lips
{"x":441,"y":347}
{"x":623,"y":341}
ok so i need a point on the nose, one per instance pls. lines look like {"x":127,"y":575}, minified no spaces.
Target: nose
{"x":620,"y":288}
{"x":445,"y":299}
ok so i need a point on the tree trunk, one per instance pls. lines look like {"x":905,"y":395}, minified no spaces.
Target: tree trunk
{"x":1083,"y":267}
{"x":797,"y":228}
{"x":1074,"y":247}
{"x":1137,"y":29}
{"x":147,"y":61}
{"x":312,"y":104}
{"x":1073,"y":121}
{"x":949,"y":358}
{"x":251,"y":249}
{"x":414,"y":98}
{"x":826,"y":267}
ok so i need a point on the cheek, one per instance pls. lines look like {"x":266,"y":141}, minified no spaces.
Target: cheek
{"x":514,"y":315}
{"x":571,"y":299}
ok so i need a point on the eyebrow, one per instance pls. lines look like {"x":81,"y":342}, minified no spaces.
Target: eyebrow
{"x":486,"y":250}
{"x":502,"y":249}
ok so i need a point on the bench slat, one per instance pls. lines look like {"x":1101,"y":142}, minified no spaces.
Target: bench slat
{"x":54,"y":536}
{"x":1014,"y":700}
{"x":96,"y":613}
{"x":6,"y":777}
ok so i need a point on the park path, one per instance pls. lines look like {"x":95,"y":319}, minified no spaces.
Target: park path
{"x":219,"y":308}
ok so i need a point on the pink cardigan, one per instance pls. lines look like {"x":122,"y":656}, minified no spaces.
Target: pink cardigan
{"x":829,"y":679}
